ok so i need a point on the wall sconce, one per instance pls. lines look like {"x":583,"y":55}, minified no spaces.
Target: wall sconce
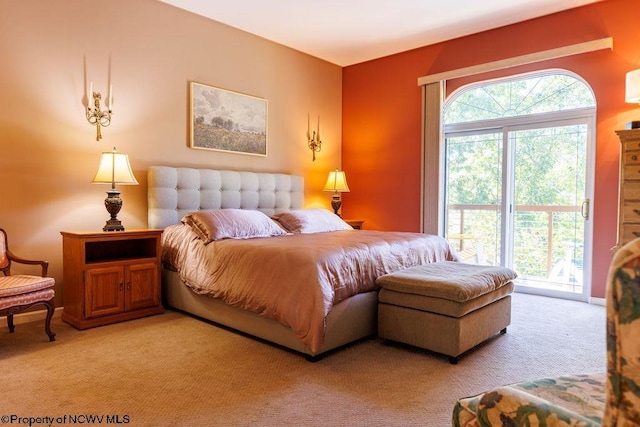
{"x":632,"y":93}
{"x":313,"y":138}
{"x":95,"y":116}
{"x":114,"y":169}
{"x":336,"y":182}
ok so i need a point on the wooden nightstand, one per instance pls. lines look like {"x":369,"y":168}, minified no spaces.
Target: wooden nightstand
{"x":110,"y":277}
{"x":355,"y":223}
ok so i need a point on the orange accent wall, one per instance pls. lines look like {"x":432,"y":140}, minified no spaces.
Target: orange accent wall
{"x":381,"y":135}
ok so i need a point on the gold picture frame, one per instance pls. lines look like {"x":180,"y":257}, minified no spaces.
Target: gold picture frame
{"x":223,"y":120}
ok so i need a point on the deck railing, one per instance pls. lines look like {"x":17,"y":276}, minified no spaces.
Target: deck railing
{"x":548,"y":239}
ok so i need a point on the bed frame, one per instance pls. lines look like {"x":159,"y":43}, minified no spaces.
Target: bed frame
{"x":174,"y":192}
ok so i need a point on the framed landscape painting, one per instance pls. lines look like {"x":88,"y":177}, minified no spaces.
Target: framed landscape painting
{"x":223,"y":120}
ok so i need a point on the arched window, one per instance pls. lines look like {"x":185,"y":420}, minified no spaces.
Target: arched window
{"x":518,"y":160}
{"x":519,"y":96}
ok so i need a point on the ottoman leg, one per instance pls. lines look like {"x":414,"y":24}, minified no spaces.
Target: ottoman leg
{"x":10,"y":323}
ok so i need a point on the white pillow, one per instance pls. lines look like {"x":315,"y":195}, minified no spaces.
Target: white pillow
{"x":311,"y":221}
{"x":220,"y":224}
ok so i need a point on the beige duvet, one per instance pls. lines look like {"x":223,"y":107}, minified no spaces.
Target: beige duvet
{"x":296,"y":279}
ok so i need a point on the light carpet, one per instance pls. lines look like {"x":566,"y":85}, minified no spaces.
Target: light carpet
{"x":174,"y":370}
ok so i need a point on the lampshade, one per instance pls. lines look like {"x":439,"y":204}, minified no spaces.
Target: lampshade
{"x":337,"y":182}
{"x":114,"y":169}
{"x":632,"y":88}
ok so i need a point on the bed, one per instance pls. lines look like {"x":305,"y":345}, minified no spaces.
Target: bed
{"x":256,"y":281}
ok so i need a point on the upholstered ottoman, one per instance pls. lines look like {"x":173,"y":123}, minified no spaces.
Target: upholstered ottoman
{"x":446,"y":307}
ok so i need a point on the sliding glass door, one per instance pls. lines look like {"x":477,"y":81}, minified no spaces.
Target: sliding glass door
{"x":474,"y":199}
{"x":550,"y":206}
{"x":517,"y":196}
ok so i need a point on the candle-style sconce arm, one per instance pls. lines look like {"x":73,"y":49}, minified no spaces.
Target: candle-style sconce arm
{"x":313,"y":138}
{"x":95,"y":116}
{"x":314,"y":143}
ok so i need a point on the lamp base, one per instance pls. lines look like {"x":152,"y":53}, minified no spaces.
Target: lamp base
{"x":113,"y":203}
{"x":113,"y":225}
{"x":336,"y":203}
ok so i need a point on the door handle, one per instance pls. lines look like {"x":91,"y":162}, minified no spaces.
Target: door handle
{"x":585,"y":209}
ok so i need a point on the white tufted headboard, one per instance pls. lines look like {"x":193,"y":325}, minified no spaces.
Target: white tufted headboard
{"x":174,"y":192}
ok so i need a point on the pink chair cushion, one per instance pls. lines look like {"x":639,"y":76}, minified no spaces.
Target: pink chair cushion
{"x":23,"y":284}
{"x":24,"y":299}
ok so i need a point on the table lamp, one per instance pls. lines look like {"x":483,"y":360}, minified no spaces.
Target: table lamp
{"x":336,"y":182}
{"x":114,"y":169}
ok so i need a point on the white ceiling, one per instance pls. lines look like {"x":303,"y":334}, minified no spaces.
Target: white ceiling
{"x":347,"y":32}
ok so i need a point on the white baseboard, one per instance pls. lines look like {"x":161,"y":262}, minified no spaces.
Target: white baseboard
{"x":31,"y":316}
{"x":597,"y":301}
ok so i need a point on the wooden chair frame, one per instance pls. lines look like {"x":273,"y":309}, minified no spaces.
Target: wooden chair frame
{"x":6,"y":258}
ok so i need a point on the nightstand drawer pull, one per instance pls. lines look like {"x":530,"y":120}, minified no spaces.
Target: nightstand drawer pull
{"x":636,"y":211}
{"x":636,"y":233}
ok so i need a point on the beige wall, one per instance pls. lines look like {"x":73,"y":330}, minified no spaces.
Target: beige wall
{"x":51,"y":49}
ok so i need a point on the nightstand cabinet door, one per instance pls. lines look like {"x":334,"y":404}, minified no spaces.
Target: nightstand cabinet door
{"x":104,"y":291}
{"x":141,"y":289}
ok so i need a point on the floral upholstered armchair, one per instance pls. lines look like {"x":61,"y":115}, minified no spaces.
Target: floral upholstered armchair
{"x":578,"y":400}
